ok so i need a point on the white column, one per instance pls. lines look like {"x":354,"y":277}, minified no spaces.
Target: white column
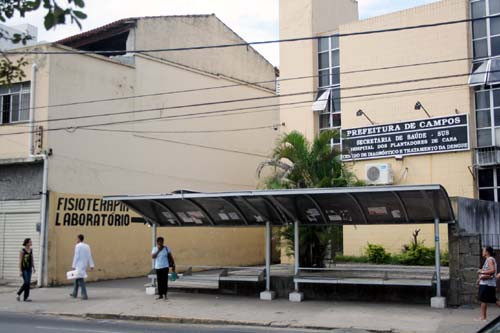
{"x":438,"y":257}
{"x":268,"y":256}
{"x":296,"y":252}
{"x":296,"y":296}
{"x":268,"y":295}
{"x":151,"y":290}
{"x":438,"y":301}
{"x":153,"y":242}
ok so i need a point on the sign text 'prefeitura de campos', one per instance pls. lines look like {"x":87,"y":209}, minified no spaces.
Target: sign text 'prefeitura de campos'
{"x":425,"y":136}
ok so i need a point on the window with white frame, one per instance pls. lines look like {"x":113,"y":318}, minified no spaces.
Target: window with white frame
{"x":488,"y":117}
{"x":329,"y":78}
{"x":14,"y":103}
{"x":486,"y":32}
{"x":489,"y":184}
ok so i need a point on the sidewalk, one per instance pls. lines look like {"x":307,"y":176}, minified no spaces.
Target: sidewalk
{"x":126,"y":299}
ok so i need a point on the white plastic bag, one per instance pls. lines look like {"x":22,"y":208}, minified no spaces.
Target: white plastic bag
{"x":76,"y":274}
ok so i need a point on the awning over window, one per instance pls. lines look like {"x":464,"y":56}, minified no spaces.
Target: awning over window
{"x":350,"y":206}
{"x":485,"y":73}
{"x":494,"y":72}
{"x":479,"y":73}
{"x":322,"y":101}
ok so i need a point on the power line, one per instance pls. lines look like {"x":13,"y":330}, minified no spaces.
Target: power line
{"x":250,"y":99}
{"x":202,"y":146}
{"x":275,"y":126}
{"x":172,"y":92}
{"x":287,"y":40}
{"x":219,"y":111}
{"x":144,"y":172}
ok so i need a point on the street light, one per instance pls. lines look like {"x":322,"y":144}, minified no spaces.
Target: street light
{"x":419,"y":106}
{"x":362,"y":113}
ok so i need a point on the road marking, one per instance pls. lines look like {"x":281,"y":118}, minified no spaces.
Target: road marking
{"x":73,"y":329}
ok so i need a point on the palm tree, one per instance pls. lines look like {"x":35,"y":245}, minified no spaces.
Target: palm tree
{"x":297,"y":163}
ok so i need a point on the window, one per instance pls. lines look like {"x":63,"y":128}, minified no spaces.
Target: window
{"x":329,"y":79}
{"x":328,"y":62}
{"x":486,"y":32}
{"x":479,"y":74}
{"x":488,"y":181}
{"x":488,"y":117}
{"x":14,"y":103}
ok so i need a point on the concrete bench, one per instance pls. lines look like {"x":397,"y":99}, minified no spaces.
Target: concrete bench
{"x":376,"y":275}
{"x":367,"y":281}
{"x":210,"y":277}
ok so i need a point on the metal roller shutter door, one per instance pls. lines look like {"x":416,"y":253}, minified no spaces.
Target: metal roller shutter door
{"x":18,"y":220}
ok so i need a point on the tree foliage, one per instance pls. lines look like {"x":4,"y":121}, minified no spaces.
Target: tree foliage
{"x":55,"y":14}
{"x":298,"y":163}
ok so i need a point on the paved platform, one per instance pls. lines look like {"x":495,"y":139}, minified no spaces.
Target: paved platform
{"x":126,"y":299}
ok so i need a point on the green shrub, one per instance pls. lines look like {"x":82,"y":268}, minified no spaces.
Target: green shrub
{"x":445,"y":260}
{"x":376,"y":254}
{"x":417,"y":254}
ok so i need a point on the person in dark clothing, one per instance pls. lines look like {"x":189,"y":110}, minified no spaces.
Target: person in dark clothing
{"x":26,"y":268}
{"x":163,"y":260}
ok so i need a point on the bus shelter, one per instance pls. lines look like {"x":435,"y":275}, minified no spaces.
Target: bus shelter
{"x":371,"y":205}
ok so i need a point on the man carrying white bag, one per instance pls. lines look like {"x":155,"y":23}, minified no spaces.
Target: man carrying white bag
{"x":81,"y":261}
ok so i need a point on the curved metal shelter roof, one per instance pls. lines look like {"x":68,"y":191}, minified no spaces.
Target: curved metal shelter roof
{"x":325,"y":206}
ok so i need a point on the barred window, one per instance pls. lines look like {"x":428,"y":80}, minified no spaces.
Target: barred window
{"x":14,"y":103}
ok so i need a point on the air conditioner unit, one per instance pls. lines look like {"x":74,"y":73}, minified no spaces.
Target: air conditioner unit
{"x":379,"y":174}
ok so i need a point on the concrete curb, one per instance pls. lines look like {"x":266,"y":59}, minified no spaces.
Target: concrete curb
{"x":204,"y":321}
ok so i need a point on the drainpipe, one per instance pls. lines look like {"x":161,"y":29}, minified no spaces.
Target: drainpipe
{"x":43,"y":210}
{"x":43,"y":229}
{"x":32,"y":110}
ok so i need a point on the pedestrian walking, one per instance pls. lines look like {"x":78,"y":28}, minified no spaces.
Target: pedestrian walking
{"x":26,"y":268}
{"x":487,"y":282}
{"x":82,"y":260}
{"x":163,"y":260}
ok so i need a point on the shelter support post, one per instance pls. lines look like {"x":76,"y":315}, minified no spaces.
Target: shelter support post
{"x":268,"y":295}
{"x":438,"y":302}
{"x":151,"y":289}
{"x":438,"y":258}
{"x":296,"y":295}
{"x":153,"y":242}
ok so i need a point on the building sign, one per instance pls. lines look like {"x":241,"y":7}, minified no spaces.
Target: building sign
{"x":89,"y":211}
{"x":426,"y":136}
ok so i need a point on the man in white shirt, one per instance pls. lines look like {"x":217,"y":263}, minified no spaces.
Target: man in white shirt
{"x":163,"y":260}
{"x":81,"y":261}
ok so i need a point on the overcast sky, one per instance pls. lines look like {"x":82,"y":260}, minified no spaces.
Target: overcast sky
{"x":255,"y":22}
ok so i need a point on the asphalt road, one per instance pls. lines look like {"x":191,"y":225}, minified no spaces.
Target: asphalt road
{"x":17,"y":323}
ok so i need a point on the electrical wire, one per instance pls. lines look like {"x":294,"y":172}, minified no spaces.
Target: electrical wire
{"x":246,"y":44}
{"x":259,"y":98}
{"x":219,"y":111}
{"x":202,"y":146}
{"x":181,"y":91}
{"x":276,"y":126}
{"x":119,"y":167}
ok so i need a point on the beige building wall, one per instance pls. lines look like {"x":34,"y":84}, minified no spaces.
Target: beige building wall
{"x":16,"y":146}
{"x":243,"y":63}
{"x":370,"y":92}
{"x":160,"y":147}
{"x":402,"y":48}
{"x":122,"y":249}
{"x":149,"y":161}
{"x":305,"y":18}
